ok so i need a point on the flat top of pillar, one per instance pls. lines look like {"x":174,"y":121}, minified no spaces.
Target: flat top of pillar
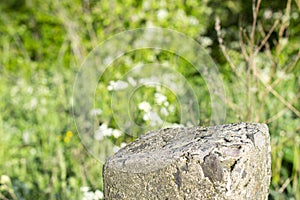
{"x":157,"y":149}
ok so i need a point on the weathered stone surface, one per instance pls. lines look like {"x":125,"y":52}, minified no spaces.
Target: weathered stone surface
{"x":220,"y":162}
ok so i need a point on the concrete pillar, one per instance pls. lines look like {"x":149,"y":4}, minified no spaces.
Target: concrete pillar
{"x":219,"y":162}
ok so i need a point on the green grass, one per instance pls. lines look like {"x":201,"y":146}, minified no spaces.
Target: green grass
{"x":42,"y":45}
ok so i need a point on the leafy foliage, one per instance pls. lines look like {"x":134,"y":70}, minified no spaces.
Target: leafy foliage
{"x":44,"y":42}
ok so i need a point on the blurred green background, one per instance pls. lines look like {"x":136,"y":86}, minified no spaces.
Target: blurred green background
{"x":43,"y":43}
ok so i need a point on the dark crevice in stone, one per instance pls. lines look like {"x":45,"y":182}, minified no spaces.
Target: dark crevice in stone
{"x":251,"y":137}
{"x":233,"y":165}
{"x":177,"y":177}
{"x":185,"y":167}
{"x":212,"y":168}
{"x":244,"y":174}
{"x":139,"y":147}
{"x":246,"y":184}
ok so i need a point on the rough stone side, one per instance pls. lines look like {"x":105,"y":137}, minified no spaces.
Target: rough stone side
{"x":220,"y":162}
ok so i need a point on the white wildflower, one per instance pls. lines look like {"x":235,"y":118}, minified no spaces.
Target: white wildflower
{"x":14,"y":91}
{"x":99,"y":194}
{"x":44,"y":81}
{"x":193,"y":21}
{"x":160,"y":98}
{"x":102,"y":132}
{"x":117,"y":85}
{"x":253,"y":89}
{"x":44,"y":101}
{"x":145,"y":106}
{"x":189,"y":124}
{"x":149,"y":24}
{"x":146,"y":5}
{"x":43,"y":111}
{"x":295,"y":15}
{"x":116,"y":149}
{"x":33,"y":103}
{"x":162,"y":14}
{"x":95,"y":112}
{"x":180,"y":15}
{"x":284,"y":41}
{"x":32,"y":151}
{"x":268,"y":14}
{"x":280,"y":74}
{"x":149,"y":82}
{"x":4,"y":179}
{"x":158,"y":87}
{"x":264,"y":75}
{"x":108,"y":60}
{"x":116,"y":133}
{"x":131,"y":81}
{"x":123,"y":144}
{"x":138,"y":67}
{"x":29,"y":90}
{"x":153,"y":117}
{"x":111,"y":85}
{"x":26,"y":137}
{"x":105,"y":130}
{"x":135,"y":18}
{"x":166,"y":103}
{"x":88,"y":196}
{"x":205,"y":41}
{"x":162,"y":4}
{"x":277,"y":15}
{"x":98,"y":135}
{"x":84,"y":189}
{"x":44,"y":90}
{"x":171,"y":108}
{"x":164,"y":111}
{"x":174,"y":125}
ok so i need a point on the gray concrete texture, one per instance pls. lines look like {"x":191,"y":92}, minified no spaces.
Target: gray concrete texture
{"x":219,"y":162}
